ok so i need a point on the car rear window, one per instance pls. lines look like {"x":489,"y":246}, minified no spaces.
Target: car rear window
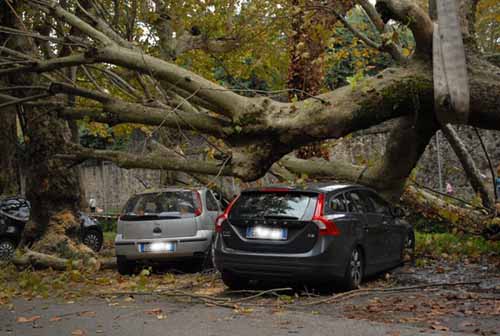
{"x":162,"y":205}
{"x":271,"y":204}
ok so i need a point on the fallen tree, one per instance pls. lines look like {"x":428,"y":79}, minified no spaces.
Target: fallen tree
{"x":258,"y":133}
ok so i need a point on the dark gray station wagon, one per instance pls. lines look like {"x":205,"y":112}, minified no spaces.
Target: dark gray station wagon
{"x":327,"y":233}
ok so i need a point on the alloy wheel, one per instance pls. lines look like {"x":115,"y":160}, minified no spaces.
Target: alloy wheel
{"x":7,"y":250}
{"x":93,"y":241}
{"x":356,"y":268}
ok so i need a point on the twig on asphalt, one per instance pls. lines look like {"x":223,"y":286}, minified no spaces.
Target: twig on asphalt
{"x":269,"y":291}
{"x":209,"y":300}
{"x":364,"y":291}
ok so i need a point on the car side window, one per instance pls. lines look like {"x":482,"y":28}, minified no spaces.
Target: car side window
{"x":357,"y":202}
{"x":379,"y":205}
{"x":337,"y":203}
{"x":212,"y":204}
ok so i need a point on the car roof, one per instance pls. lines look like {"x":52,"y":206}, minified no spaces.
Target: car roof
{"x":318,"y":187}
{"x":170,"y":189}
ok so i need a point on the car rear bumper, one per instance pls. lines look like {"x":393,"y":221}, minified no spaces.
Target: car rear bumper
{"x":185,"y":246}
{"x":318,"y":265}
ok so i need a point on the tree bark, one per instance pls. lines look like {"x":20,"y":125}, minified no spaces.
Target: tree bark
{"x":51,"y":187}
{"x":9,"y":169}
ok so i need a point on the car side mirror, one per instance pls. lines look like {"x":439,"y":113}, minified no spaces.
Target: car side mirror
{"x":398,"y":212}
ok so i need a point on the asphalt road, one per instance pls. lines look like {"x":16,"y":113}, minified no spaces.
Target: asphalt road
{"x":161,"y":316}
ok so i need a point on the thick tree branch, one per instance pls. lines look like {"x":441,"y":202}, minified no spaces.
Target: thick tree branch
{"x":404,"y":147}
{"x":117,"y":112}
{"x":148,"y":161}
{"x":227,"y":101}
{"x":57,"y":11}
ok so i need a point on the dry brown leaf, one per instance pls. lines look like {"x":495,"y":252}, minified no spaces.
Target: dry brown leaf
{"x":55,"y":319}
{"x":78,"y":332}
{"x":22,"y":319}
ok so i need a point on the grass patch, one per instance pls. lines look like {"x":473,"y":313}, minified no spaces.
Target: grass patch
{"x":452,"y":246}
{"x":109,"y":236}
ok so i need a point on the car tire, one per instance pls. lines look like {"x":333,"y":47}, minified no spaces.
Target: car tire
{"x":125,"y":266}
{"x":354,"y":270}
{"x":207,"y":262}
{"x":233,"y":281}
{"x":408,"y":246}
{"x":7,"y":249}
{"x":93,"y":239}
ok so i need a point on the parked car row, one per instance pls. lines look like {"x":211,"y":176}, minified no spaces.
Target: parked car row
{"x":333,"y":234}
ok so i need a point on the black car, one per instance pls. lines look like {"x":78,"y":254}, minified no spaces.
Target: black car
{"x":91,"y":232}
{"x":15,"y":213}
{"x":323,"y":233}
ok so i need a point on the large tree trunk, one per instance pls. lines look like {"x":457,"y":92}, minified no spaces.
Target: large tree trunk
{"x":51,"y":186}
{"x":9,"y":170}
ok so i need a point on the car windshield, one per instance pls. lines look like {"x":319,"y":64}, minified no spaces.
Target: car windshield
{"x":171,"y":204}
{"x":271,"y":205}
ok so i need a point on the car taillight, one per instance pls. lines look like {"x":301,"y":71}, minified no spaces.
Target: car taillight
{"x":197,"y":202}
{"x":220,"y":219}
{"x":326,"y":226}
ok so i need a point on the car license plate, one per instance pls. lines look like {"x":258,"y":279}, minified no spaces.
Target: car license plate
{"x":262,"y":232}
{"x":157,"y":247}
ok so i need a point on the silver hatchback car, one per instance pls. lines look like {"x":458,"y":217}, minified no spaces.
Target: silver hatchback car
{"x":166,"y":224}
